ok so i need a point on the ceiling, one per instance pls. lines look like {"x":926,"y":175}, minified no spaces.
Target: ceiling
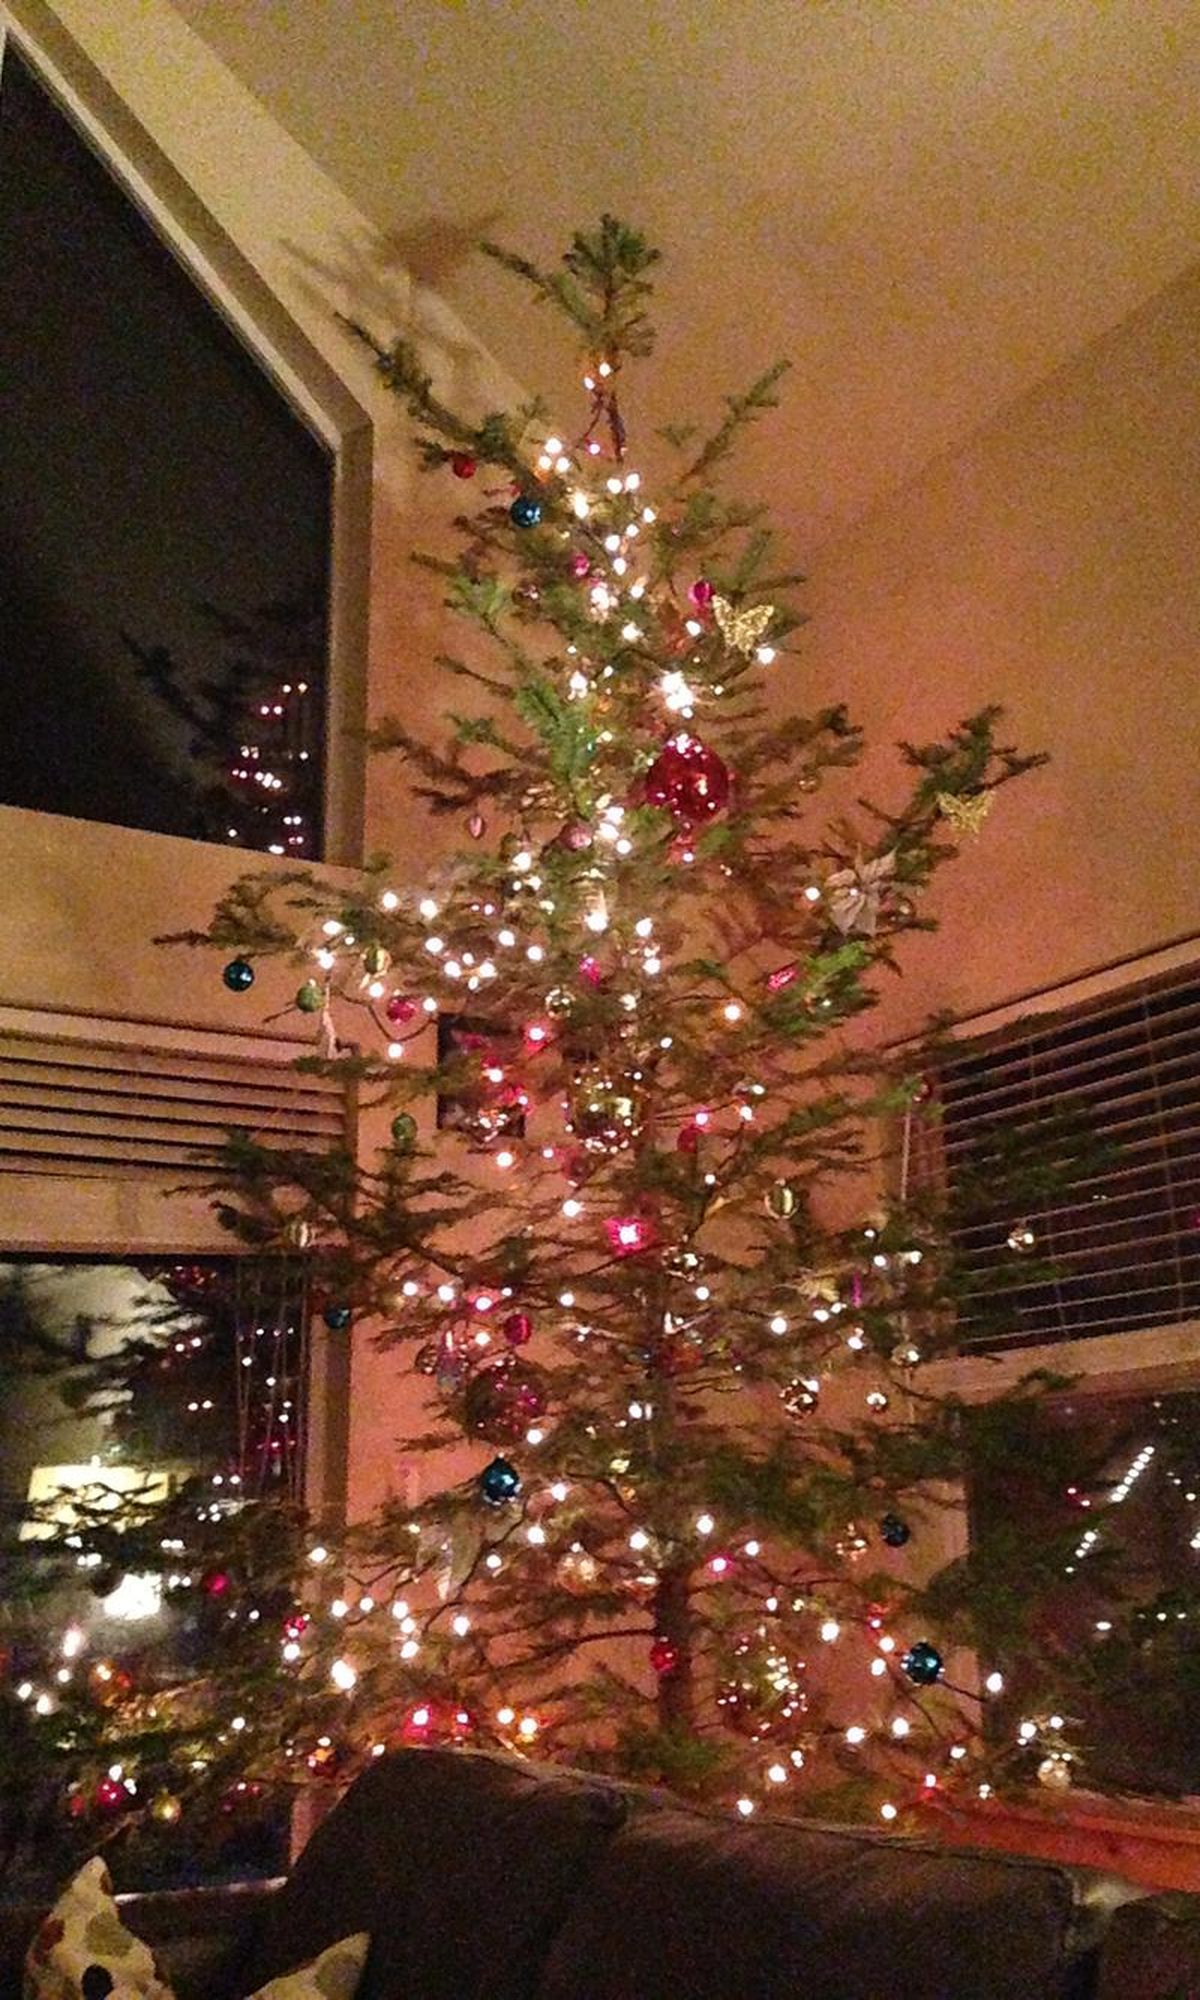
{"x":928,"y":207}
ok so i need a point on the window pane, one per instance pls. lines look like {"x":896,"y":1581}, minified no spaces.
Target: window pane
{"x":164,"y":524}
{"x":1105,"y":1491}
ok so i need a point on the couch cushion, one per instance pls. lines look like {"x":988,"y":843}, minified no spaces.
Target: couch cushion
{"x":459,"y":1864}
{"x":682,"y":1906}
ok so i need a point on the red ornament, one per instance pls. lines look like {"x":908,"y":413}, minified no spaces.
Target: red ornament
{"x":782,"y":976}
{"x":462,"y":465}
{"x":400,"y":1010}
{"x":110,"y":1795}
{"x":517,"y":1329}
{"x":688,"y":1140}
{"x":216,"y":1583}
{"x":689,"y":780}
{"x":702,"y":593}
{"x":664,"y":1657}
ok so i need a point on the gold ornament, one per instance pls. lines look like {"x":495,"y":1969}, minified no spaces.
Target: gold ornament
{"x":577,"y":1571}
{"x":741,"y":629}
{"x":166,"y":1808}
{"x":1055,"y":1773}
{"x":965,"y":812}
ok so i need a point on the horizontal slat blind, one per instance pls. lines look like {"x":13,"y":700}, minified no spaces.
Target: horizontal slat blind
{"x":127,"y":1100}
{"x":1125,"y":1244}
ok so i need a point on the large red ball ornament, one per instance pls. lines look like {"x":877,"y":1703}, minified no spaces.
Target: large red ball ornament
{"x":689,"y":780}
{"x":503,"y":1399}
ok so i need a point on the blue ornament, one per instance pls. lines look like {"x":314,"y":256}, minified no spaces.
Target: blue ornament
{"x":922,"y":1663}
{"x":498,"y":1482}
{"x":336,"y":1317}
{"x":238,"y":975}
{"x":526,"y":511}
{"x":895,"y":1532}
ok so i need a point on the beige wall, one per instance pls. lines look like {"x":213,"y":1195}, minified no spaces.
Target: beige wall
{"x":1052,"y":564}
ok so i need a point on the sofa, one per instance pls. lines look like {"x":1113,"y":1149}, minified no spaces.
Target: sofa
{"x":483,"y":1878}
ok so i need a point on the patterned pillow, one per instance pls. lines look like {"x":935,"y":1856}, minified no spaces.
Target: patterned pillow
{"x":84,"y":1952}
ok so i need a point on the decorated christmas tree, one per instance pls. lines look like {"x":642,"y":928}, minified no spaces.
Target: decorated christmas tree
{"x":642,"y":1230}
{"x":655,"y":1255}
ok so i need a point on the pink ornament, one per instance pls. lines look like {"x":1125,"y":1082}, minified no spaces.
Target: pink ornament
{"x":689,"y":780}
{"x":580,"y":564}
{"x":589,"y":969}
{"x":517,"y":1329}
{"x":702,"y":593}
{"x":400,"y":1010}
{"x":781,"y":977}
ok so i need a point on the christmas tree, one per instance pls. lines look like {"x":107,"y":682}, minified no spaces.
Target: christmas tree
{"x":650,"y":1268}
{"x":644,"y":1234}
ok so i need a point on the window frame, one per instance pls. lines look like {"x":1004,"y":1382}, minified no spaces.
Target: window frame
{"x":310,"y":387}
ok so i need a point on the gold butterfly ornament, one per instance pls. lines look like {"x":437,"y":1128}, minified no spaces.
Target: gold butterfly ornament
{"x":741,"y":629}
{"x":964,"y":812}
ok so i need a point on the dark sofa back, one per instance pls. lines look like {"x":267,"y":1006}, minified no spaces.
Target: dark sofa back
{"x":683,"y":1906}
{"x":461,"y":1866}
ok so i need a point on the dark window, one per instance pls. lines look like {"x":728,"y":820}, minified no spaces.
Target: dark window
{"x":164,"y":524}
{"x":1101,"y":1496}
{"x":123,"y":1382}
{"x":1121,"y":1250}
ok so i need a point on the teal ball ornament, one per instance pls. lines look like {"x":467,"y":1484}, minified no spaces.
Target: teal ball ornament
{"x":499,"y":1482}
{"x":238,"y":975}
{"x":923,"y":1664}
{"x":526,"y":511}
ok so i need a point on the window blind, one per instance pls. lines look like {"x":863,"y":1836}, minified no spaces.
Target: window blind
{"x":121,"y":1099}
{"x":1124,"y":1245}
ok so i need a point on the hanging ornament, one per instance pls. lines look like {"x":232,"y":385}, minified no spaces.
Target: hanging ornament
{"x":517,"y":1329}
{"x":462,"y":465}
{"x":688,"y":780}
{"x":238,"y":975}
{"x":701,"y":593}
{"x":576,"y":1571}
{"x":376,"y":960}
{"x":216,"y":1583}
{"x":780,"y":1200}
{"x":575,"y":836}
{"x":760,"y":1689}
{"x":111,"y":1794}
{"x":451,"y":1364}
{"x":404,"y":1131}
{"x":559,"y":1002}
{"x":965,"y":813}
{"x":606,"y":1108}
{"x":299,"y":1233}
{"x":783,"y":976}
{"x":922,"y":1663}
{"x":310,"y":998}
{"x":580,"y":565}
{"x":477,"y":826}
{"x":1055,"y":1773}
{"x":688,"y":1140}
{"x":854,"y":896}
{"x":400,"y":1010}
{"x":664,"y":1655}
{"x":336,"y":1317}
{"x":499,"y":1482}
{"x":1021,"y":1239}
{"x":504,"y":1399}
{"x":852,"y":1544}
{"x":741,"y":629}
{"x":894,"y":1531}
{"x":526,"y":511}
{"x":166,"y":1808}
{"x":526,"y":595}
{"x":800,"y":1398}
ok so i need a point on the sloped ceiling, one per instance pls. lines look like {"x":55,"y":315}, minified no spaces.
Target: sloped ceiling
{"x":929,"y":207}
